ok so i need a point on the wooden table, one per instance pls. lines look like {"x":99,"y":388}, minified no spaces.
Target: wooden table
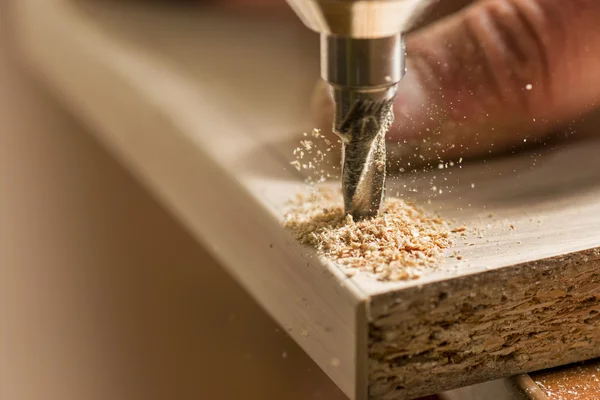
{"x":572,"y":382}
{"x":580,"y":381}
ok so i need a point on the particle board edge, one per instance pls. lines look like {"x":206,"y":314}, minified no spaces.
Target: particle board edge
{"x":485,"y":326}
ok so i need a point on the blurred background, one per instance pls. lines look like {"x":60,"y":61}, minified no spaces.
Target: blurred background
{"x":105,"y":296}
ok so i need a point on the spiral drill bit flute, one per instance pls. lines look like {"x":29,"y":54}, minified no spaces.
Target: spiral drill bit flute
{"x":362,"y":59}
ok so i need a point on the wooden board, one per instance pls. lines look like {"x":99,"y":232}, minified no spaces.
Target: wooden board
{"x":519,"y":387}
{"x":205,"y":108}
{"x":579,"y":381}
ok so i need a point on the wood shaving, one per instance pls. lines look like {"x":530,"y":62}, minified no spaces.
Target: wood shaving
{"x":315,"y":158}
{"x":395,"y":245}
{"x":296,"y":165}
{"x":307,"y":144}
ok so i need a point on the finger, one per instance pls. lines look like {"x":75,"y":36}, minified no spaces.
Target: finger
{"x":497,"y":74}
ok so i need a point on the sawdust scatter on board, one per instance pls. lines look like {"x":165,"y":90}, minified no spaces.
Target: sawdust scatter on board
{"x":396,"y":245}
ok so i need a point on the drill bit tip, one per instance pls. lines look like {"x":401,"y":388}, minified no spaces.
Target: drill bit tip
{"x":367,"y":118}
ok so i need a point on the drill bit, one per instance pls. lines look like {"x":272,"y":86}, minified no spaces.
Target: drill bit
{"x":366,"y":119}
{"x":363,"y":75}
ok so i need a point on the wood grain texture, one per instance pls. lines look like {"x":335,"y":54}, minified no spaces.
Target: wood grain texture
{"x":192,"y":103}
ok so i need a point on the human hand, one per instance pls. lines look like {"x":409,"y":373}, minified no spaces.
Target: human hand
{"x":493,"y":77}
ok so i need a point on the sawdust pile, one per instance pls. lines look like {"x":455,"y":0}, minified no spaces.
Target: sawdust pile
{"x":395,"y":245}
